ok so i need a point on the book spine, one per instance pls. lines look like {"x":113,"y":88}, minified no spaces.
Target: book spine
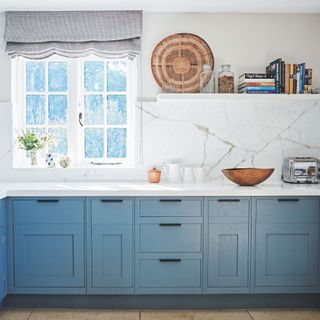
{"x":297,"y":78}
{"x":287,"y":79}
{"x":257,"y":88}
{"x":294,"y":78}
{"x":282,"y":76}
{"x":257,"y":84}
{"x":291,"y":76}
{"x":268,"y":80}
{"x":258,"y":91}
{"x":255,"y":76}
{"x":302,"y":77}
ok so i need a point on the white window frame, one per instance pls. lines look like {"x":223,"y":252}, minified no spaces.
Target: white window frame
{"x":75,"y":95}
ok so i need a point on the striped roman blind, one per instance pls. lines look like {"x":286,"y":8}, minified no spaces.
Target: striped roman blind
{"x":39,"y":34}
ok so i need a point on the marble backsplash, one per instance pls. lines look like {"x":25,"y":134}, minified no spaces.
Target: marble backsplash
{"x":214,"y":134}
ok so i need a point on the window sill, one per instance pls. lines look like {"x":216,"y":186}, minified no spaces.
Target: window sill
{"x":89,"y":167}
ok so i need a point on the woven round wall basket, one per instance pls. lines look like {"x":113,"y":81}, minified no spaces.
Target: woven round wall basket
{"x":177,"y":62}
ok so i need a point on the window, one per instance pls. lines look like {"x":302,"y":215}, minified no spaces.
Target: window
{"x":86,"y":105}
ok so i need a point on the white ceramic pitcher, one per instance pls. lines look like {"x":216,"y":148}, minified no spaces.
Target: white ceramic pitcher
{"x":172,"y":171}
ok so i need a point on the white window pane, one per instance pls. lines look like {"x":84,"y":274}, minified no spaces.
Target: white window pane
{"x":35,"y":109}
{"x":60,"y":141}
{"x":94,"y":142}
{"x":57,"y":109}
{"x":57,"y":76}
{"x":117,"y":76}
{"x":35,"y":77}
{"x":93,"y":76}
{"x":117,"y":109}
{"x":117,"y":142}
{"x":93,"y":110}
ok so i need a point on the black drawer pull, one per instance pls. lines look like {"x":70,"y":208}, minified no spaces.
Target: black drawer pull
{"x":48,"y":200}
{"x":112,"y":200}
{"x":170,"y":200}
{"x":289,"y":200}
{"x":170,"y":224}
{"x":170,"y":260}
{"x":228,"y":200}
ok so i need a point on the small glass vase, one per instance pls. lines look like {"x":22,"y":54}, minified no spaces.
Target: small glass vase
{"x":33,"y":157}
{"x":207,"y":84}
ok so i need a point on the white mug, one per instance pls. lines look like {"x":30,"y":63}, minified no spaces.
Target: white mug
{"x":187,"y":174}
{"x":172,"y":172}
{"x":199,"y":174}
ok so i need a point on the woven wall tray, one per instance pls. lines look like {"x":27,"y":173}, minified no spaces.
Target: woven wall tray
{"x":177,"y":62}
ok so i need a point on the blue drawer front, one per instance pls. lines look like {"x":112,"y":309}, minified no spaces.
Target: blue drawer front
{"x":168,"y":274}
{"x":170,"y":237}
{"x":288,"y":210}
{"x":170,"y":207}
{"x":229,"y":210}
{"x":45,"y":210}
{"x":49,"y":256}
{"x":112,"y":211}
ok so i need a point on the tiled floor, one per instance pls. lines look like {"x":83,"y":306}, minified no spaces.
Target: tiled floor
{"x":72,"y":314}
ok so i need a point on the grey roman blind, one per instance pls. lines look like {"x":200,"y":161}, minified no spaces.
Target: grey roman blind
{"x":39,"y":34}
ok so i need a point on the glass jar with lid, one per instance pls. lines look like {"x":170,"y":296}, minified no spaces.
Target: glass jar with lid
{"x":226,"y":79}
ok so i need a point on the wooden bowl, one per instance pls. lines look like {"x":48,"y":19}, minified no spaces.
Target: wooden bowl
{"x":248,"y":176}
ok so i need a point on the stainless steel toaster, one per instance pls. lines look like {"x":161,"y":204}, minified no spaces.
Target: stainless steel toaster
{"x":300,"y":170}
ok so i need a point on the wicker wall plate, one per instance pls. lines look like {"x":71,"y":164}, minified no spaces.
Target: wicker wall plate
{"x":177,"y":62}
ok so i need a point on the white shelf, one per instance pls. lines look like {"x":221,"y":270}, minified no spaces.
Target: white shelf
{"x":237,"y":96}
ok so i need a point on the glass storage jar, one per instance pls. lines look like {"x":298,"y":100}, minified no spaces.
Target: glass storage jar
{"x":226,"y":79}
{"x":207,"y":84}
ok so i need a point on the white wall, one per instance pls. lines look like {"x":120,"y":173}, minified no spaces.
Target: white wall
{"x":247,"y":41}
{"x":216,"y":134}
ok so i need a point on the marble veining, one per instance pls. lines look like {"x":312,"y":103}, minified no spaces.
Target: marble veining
{"x":214,"y":134}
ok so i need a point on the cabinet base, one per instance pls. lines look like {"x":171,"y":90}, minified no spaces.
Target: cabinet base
{"x":226,"y":301}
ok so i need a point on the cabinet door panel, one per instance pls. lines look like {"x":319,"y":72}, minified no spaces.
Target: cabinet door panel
{"x":287,"y":255}
{"x":49,"y":256}
{"x":228,"y":255}
{"x":2,"y":264}
{"x":112,"y":256}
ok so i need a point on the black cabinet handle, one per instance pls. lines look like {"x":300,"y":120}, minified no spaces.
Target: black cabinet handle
{"x":170,"y":224}
{"x":112,"y":200}
{"x":228,"y":200}
{"x":170,"y":200}
{"x":288,"y":200}
{"x":170,"y":260}
{"x":47,"y":200}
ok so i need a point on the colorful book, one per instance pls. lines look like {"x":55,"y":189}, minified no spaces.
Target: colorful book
{"x":257,"y":84}
{"x":256,"y":76}
{"x":291,"y":77}
{"x":257,"y":88}
{"x":308,"y":81}
{"x":275,"y":69}
{"x":287,"y":79}
{"x":258,"y":91}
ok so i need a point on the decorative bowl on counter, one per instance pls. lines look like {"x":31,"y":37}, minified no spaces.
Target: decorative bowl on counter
{"x":248,"y":176}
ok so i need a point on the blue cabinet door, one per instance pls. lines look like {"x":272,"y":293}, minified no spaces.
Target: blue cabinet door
{"x":286,"y":245}
{"x":227,"y":245}
{"x":287,"y":255}
{"x":111,"y":246}
{"x":48,"y":246}
{"x":2,"y":252}
{"x":228,"y":256}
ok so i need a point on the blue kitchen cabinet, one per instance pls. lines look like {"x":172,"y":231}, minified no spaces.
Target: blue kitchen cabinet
{"x":169,"y":245}
{"x":47,"y":246}
{"x":286,"y":245}
{"x":111,"y":246}
{"x":227,"y":245}
{"x":3,"y":282}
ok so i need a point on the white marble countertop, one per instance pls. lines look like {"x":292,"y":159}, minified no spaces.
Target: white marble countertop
{"x":90,"y":189}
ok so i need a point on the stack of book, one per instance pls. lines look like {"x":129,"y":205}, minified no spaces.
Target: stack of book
{"x":257,"y":83}
{"x":290,"y":78}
